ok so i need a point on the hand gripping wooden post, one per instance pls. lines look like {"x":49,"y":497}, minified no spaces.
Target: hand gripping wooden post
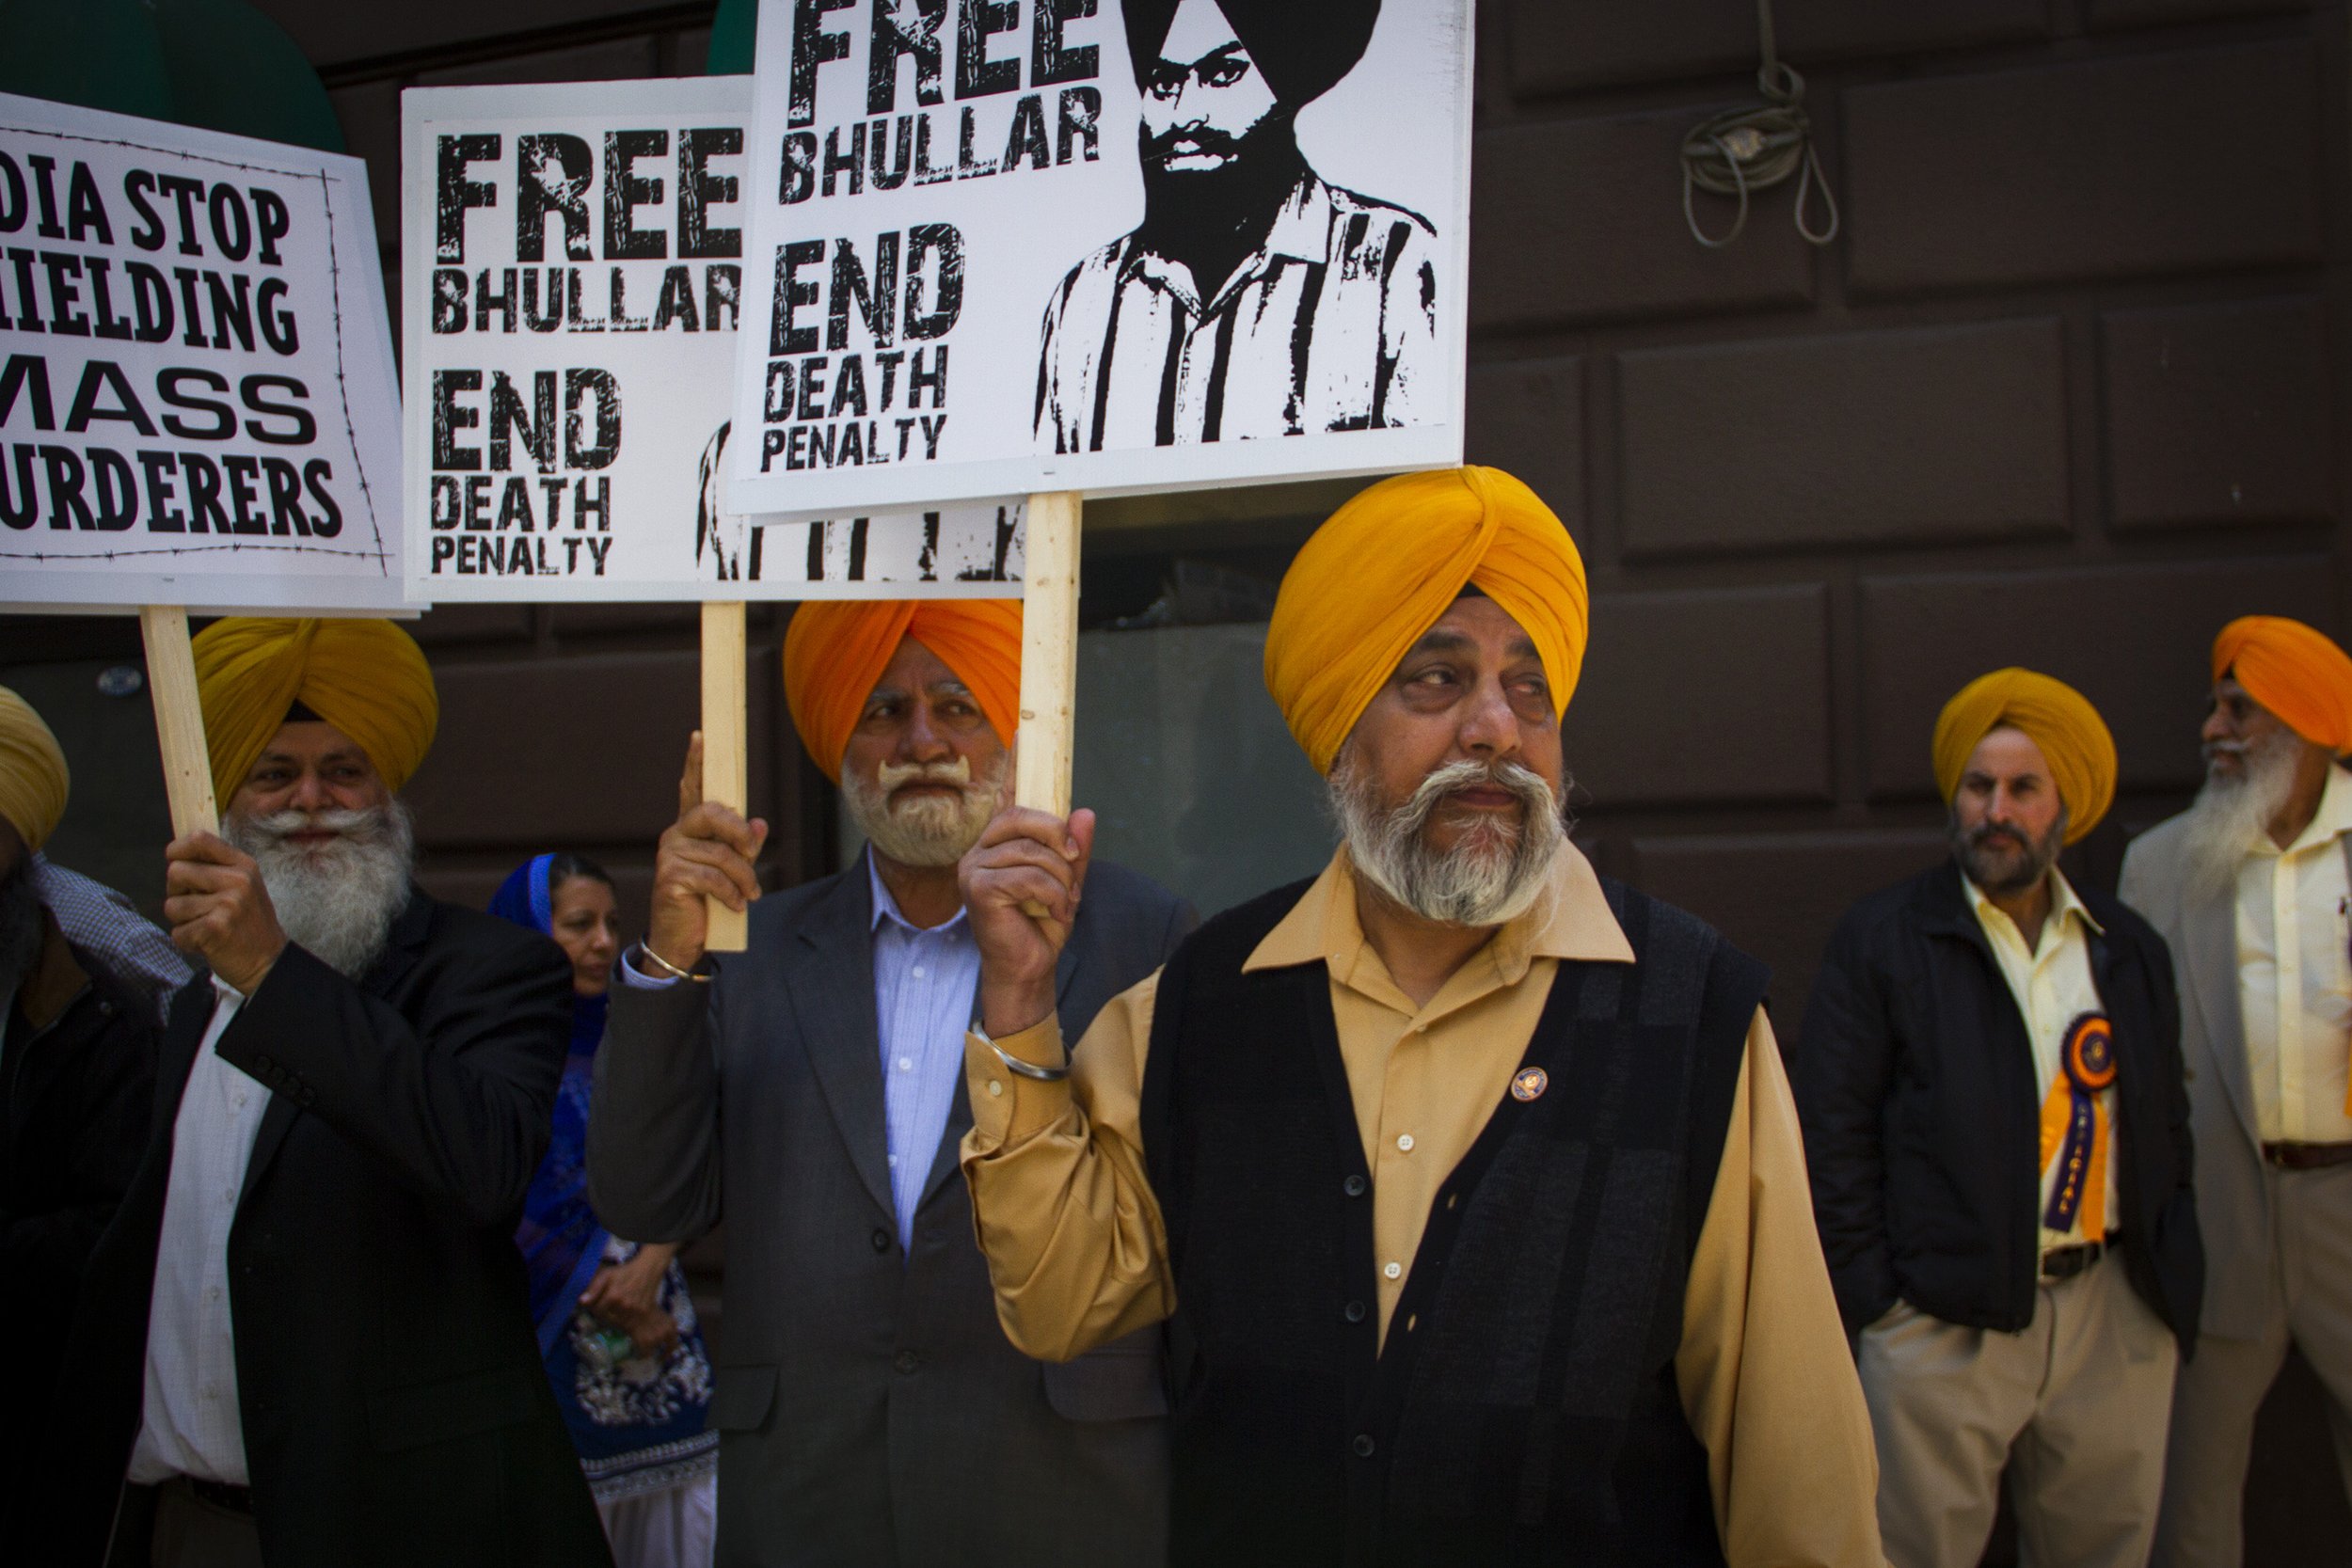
{"x":1048,"y":657}
{"x":179,"y":720}
{"x":725,"y":751}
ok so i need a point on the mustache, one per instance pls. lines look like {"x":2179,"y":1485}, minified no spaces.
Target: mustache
{"x":358,"y":822}
{"x":892,"y":777}
{"x":1188,"y":139}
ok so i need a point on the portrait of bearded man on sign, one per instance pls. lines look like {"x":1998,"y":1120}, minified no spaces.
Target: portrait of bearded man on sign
{"x":1255,"y":298}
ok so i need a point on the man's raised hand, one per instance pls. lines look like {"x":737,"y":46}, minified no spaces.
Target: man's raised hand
{"x":708,"y":853}
{"x":219,"y":909}
{"x":1026,"y":860}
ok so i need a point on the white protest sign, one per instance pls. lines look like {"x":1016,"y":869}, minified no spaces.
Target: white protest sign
{"x":987,"y":254}
{"x":572,"y":262}
{"x":197,"y":398}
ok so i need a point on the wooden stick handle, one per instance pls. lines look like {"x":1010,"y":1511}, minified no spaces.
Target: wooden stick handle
{"x":1049,"y":653}
{"x":179,"y":720}
{"x":725,"y":749}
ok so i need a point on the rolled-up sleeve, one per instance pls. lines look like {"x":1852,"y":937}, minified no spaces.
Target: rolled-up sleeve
{"x":1060,"y":1201}
{"x":1767,"y":1380}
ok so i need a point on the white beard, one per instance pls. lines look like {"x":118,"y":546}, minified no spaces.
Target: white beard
{"x":929,"y":830}
{"x":336,"y":901}
{"x":2233,"y":814}
{"x":1493,"y":876}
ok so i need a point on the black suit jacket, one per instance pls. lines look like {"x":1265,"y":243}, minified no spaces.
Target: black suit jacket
{"x":869,"y":1408}
{"x":1914,"y":1082}
{"x":394,"y":1406}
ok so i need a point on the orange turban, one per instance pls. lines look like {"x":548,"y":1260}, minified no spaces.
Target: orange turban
{"x":1385,"y":567}
{"x":367,"y":678}
{"x":2295,"y":671}
{"x":2054,"y":716}
{"x":837,"y":649}
{"x":33,"y":776}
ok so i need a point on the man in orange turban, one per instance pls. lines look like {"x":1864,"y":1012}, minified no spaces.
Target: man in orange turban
{"x":859,"y":985}
{"x":2250,"y":886}
{"x":1990,"y":1080}
{"x":352,"y":1101}
{"x":1350,"y":1138}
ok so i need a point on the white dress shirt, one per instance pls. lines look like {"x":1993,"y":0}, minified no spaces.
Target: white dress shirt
{"x":2294,"y":975}
{"x":2054,"y":986}
{"x":192,"y":1426}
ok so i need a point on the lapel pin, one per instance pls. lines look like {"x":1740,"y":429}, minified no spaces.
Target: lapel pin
{"x":1530,"y":1084}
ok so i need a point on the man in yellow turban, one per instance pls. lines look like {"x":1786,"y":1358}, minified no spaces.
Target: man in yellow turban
{"x":2250,"y":886}
{"x":352,"y":1103}
{"x":1468,"y":1182}
{"x":77,"y":1065}
{"x":810,"y":1085}
{"x":1990,"y":1080}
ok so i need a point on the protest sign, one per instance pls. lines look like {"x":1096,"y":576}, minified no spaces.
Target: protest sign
{"x":1077,"y":245}
{"x":572,"y":262}
{"x":196,"y":399}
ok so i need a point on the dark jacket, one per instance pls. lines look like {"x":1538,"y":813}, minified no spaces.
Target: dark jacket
{"x":77,"y":1081}
{"x":388,"y":1381}
{"x":1914,"y":1081}
{"x":869,"y":1408}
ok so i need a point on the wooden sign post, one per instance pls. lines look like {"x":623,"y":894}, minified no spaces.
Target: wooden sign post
{"x":727,"y":751}
{"x":179,"y":720}
{"x":1049,"y":654}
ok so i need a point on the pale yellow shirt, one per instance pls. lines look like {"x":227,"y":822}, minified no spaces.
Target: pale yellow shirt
{"x":1065,"y":1212}
{"x":2295,"y":996}
{"x":2053,"y":987}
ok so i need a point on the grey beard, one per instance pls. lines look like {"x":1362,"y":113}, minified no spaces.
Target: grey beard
{"x":925,"y":832}
{"x":2231,"y":814}
{"x":21,"y":929}
{"x":337,"y":901}
{"x":1977,"y":863}
{"x":1491,"y":877}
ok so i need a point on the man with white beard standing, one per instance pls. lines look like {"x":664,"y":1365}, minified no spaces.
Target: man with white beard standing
{"x":305,"y":1339}
{"x":2250,"y":888}
{"x":810,"y":1088}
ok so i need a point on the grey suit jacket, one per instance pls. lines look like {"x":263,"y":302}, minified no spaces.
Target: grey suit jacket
{"x":871,"y":1409}
{"x":2235,"y":1211}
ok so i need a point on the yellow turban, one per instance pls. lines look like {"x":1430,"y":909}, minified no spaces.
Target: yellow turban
{"x":367,"y":678}
{"x":2056,"y":717}
{"x":2295,"y":671}
{"x":33,"y":777}
{"x":835,"y":650}
{"x":1385,"y":567}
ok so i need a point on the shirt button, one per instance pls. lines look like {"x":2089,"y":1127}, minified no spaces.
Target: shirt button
{"x":1404,"y":1142}
{"x":906,"y":1063}
{"x":241,"y":1101}
{"x":214,"y":1293}
{"x":996,"y":1090}
{"x":1395,"y":1271}
{"x":229,"y":1196}
{"x":1354,"y":1186}
{"x":916,"y":972}
{"x":894,"y":1161}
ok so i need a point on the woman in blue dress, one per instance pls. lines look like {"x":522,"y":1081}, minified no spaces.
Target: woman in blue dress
{"x":616,"y":1327}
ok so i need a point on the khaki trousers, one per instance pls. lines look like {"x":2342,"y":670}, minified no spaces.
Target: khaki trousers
{"x":2075,"y":1406}
{"x":2222,"y":1387}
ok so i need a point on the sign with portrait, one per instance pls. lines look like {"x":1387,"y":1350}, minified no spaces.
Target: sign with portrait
{"x":572,"y":262}
{"x":1106,"y":246}
{"x":198,"y":403}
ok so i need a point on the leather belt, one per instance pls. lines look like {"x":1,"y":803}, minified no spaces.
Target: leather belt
{"x":220,"y":1494}
{"x":2293,"y":1156}
{"x":2065,"y":1262}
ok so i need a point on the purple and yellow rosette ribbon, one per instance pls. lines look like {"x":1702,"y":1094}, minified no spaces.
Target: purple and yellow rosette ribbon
{"x":2075,"y":1126}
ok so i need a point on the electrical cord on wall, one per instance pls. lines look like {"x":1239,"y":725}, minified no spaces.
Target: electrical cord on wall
{"x":1755,"y":148}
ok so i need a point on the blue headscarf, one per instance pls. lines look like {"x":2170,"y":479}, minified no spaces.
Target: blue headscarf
{"x":561,"y":1241}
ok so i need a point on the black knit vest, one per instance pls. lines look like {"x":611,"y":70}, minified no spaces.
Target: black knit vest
{"x":1524,"y":1409}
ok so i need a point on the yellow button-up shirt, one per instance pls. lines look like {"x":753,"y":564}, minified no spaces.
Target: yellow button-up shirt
{"x":2053,"y":986}
{"x":2294,"y":975}
{"x":1072,"y":1234}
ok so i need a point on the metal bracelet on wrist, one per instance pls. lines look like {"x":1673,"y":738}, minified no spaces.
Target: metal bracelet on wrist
{"x":1015,"y":1065}
{"x":644,"y":949}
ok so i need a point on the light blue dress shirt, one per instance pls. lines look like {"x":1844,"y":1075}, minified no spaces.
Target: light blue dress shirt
{"x":924,"y":983}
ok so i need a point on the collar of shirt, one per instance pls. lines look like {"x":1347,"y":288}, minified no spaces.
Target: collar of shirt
{"x":1301,"y":230}
{"x":2330,"y":822}
{"x":2065,"y":905}
{"x":886,"y":907}
{"x":1572,"y":921}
